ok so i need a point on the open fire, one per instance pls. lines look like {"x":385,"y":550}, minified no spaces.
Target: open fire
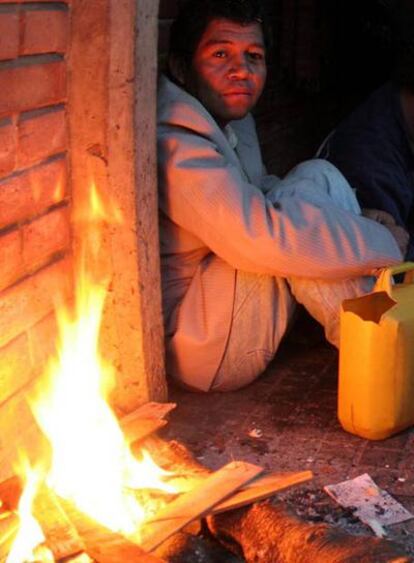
{"x":89,"y":493}
{"x":90,"y":463}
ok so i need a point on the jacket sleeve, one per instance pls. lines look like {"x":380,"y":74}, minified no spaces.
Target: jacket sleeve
{"x":205,"y":194}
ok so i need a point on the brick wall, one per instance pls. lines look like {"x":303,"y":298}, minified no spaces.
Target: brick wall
{"x":34,"y":187}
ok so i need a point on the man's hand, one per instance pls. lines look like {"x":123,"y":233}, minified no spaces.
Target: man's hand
{"x":379,"y":216}
{"x":401,"y":236}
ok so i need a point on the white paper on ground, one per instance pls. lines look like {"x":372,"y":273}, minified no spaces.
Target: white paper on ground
{"x":373,"y":506}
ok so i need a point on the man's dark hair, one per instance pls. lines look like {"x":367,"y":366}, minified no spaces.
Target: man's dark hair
{"x":194,"y":17}
{"x":403,"y":24}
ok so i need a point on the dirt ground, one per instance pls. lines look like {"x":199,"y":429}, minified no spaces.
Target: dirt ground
{"x":286,"y":421}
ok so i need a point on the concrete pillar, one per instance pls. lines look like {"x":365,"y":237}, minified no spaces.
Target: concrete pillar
{"x":112,"y":88}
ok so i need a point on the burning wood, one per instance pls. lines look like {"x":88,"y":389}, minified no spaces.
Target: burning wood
{"x":105,"y":546}
{"x":9,"y":526}
{"x":196,"y":503}
{"x":264,"y":532}
{"x":68,"y":531}
{"x":28,"y":543}
{"x":61,"y":536}
{"x":89,"y":463}
{"x":144,"y":421}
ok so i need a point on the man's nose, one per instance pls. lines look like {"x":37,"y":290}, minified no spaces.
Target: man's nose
{"x":239,"y":68}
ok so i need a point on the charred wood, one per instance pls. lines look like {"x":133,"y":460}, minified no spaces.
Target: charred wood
{"x":187,"y":548}
{"x":264,"y":533}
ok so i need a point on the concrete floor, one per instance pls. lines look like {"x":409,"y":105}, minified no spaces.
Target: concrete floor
{"x":286,"y":421}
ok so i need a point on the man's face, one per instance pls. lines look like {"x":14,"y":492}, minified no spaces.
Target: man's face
{"x":229,"y":69}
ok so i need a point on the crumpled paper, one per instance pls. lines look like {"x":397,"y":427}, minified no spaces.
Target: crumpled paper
{"x":373,"y":506}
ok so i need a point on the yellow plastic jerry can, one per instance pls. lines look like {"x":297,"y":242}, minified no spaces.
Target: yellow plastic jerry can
{"x":376,"y":358}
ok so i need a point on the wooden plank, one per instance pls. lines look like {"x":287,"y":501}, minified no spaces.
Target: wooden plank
{"x":262,"y":488}
{"x":142,"y":428}
{"x":113,"y":548}
{"x":196,"y":503}
{"x":61,"y":536}
{"x":103,"y":545}
{"x":149,"y":410}
{"x":145,"y":420}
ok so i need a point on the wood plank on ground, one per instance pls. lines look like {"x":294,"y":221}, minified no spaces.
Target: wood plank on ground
{"x":142,"y":428}
{"x":103,"y":545}
{"x":62,"y":537}
{"x":145,"y":420}
{"x":261,"y":488}
{"x":150,"y":410}
{"x":196,"y":503}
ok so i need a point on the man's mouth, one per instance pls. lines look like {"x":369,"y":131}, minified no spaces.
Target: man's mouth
{"x":238,"y":93}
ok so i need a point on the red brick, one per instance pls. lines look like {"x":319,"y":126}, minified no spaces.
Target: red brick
{"x":19,"y":433}
{"x":25,"y":304}
{"x":42,"y":342}
{"x":9,"y":36}
{"x":15,"y":366}
{"x":41,"y":136}
{"x":11,"y":266}
{"x":8,"y":136}
{"x":36,"y":40}
{"x":49,"y":184}
{"x":29,"y":194}
{"x":45,"y":237}
{"x":32,"y":86}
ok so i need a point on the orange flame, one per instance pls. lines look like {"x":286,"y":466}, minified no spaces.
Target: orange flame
{"x":27,"y":545}
{"x":91,"y":465}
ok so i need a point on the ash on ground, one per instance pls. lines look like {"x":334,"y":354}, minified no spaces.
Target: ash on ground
{"x":314,"y":505}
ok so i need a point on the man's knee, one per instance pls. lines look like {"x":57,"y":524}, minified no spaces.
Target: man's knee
{"x":328,"y":180}
{"x":235,"y":375}
{"x":231,"y":375}
{"x":315,"y":167}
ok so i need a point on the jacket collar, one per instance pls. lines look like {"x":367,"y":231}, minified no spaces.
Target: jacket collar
{"x":178,"y":108}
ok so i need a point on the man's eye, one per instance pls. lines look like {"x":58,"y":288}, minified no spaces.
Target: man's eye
{"x":255,"y":56}
{"x":219,"y":54}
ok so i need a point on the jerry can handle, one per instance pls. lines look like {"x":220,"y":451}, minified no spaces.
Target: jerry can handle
{"x":384,"y":278}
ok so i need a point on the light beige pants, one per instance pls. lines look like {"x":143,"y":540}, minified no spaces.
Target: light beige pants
{"x":264,"y":304}
{"x":263,"y":308}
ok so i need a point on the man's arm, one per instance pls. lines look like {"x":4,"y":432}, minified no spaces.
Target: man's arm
{"x":206,"y":195}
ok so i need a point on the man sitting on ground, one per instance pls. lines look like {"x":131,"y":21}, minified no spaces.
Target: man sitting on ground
{"x":239,"y":247}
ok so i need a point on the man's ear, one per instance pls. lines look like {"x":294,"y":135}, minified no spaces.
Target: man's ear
{"x":177,"y":69}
